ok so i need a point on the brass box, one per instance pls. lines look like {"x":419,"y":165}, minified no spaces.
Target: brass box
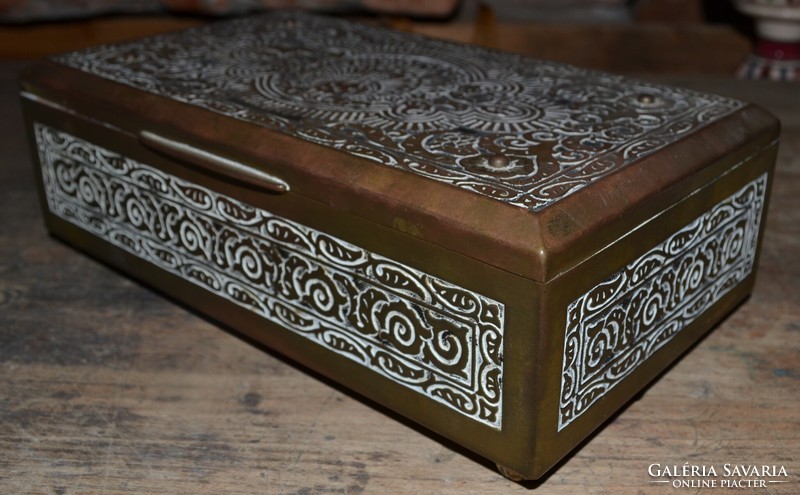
{"x":502,"y":249}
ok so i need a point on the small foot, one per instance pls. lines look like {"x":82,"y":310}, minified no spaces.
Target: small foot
{"x":510,"y":473}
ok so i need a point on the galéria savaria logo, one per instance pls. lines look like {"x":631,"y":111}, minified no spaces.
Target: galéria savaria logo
{"x":727,"y":475}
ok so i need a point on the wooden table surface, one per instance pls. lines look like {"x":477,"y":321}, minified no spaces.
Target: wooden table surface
{"x":108,"y":387}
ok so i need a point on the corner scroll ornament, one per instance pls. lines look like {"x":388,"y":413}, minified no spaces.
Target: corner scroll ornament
{"x":424,"y":333}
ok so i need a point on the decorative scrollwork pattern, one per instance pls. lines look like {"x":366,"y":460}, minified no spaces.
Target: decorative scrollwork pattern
{"x":614,"y":327}
{"x":434,"y":108}
{"x":422,"y":332}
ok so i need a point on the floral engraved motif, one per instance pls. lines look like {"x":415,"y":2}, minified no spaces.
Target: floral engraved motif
{"x":422,"y":332}
{"x":434,"y":108}
{"x":617,"y":325}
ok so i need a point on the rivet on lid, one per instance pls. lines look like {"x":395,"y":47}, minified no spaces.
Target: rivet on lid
{"x":498,"y":161}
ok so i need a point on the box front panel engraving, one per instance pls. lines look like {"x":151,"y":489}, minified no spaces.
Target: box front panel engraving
{"x":429,"y":335}
{"x":617,"y":325}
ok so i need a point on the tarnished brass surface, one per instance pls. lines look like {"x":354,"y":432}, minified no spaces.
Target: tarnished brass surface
{"x":492,"y":238}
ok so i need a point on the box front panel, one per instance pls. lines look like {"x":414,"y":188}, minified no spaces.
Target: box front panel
{"x":424,"y":333}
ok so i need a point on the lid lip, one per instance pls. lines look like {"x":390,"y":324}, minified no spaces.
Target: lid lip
{"x":350,"y":184}
{"x":480,"y":227}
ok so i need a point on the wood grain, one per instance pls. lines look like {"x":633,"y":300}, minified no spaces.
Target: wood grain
{"x":108,"y":388}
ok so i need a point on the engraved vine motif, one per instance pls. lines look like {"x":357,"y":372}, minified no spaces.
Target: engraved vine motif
{"x":427,"y":334}
{"x":617,"y":325}
{"x":434,"y":108}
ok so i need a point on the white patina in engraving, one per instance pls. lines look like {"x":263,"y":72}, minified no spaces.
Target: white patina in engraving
{"x":436,"y":338}
{"x":434,"y":108}
{"x":616,"y":326}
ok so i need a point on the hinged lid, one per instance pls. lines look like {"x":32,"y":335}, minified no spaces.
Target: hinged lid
{"x":482,"y":152}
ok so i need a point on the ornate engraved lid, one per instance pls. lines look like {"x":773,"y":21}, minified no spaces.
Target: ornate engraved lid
{"x":522,"y":131}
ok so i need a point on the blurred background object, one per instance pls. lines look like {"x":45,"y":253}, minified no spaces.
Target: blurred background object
{"x":624,"y":36}
{"x":777,"y":46}
{"x":37,"y":10}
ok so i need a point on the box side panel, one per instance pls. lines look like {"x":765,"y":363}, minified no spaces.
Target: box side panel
{"x":435,"y":336}
{"x":619,"y":319}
